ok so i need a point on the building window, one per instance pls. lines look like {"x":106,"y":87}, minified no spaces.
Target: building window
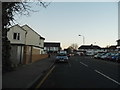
{"x":16,"y":36}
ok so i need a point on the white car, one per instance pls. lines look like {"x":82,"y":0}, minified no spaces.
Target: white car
{"x":61,"y":58}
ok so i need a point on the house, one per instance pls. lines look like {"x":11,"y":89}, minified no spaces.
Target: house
{"x":27,"y":45}
{"x":36,"y":40}
{"x":52,"y":47}
{"x":34,"y":45}
{"x":113,"y":48}
{"x":17,"y":37}
{"x":89,"y":49}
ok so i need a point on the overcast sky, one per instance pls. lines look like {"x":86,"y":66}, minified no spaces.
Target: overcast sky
{"x":64,"y":21}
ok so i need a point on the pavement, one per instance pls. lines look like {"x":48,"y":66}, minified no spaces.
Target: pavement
{"x":25,"y":76}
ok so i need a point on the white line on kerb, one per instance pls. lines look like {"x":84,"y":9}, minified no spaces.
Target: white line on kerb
{"x":84,"y":64}
{"x":107,"y":77}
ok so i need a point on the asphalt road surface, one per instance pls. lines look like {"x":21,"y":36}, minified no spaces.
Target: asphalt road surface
{"x":83,"y":72}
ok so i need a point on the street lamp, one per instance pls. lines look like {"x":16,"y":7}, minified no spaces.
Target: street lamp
{"x":83,"y":39}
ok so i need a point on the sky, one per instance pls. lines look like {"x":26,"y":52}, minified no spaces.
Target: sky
{"x":64,"y":21}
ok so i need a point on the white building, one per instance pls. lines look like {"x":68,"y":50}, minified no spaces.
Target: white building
{"x":52,"y":47}
{"x":25,"y":43}
{"x":89,"y":49}
{"x":17,"y":37}
{"x":34,"y":39}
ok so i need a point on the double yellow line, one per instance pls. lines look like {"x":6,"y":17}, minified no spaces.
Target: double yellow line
{"x":42,"y":81}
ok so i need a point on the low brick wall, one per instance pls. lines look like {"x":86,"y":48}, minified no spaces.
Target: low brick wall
{"x":37,"y":57}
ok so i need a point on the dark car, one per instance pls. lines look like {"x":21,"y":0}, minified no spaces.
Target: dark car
{"x":106,"y":56}
{"x":117,"y":57}
{"x":68,"y":55}
{"x":98,"y":55}
{"x":114,"y":56}
{"x":61,"y":58}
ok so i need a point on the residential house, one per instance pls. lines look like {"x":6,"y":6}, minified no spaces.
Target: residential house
{"x":34,"y":45}
{"x":113,"y":48}
{"x":52,"y":47}
{"x":17,"y":37}
{"x":89,"y":49}
{"x":27,"y":45}
{"x":34,"y":39}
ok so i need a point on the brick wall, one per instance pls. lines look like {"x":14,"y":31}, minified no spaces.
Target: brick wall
{"x":37,"y":57}
{"x":32,"y":55}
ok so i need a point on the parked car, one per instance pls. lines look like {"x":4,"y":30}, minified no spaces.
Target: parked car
{"x":68,"y":55}
{"x":113,"y":57}
{"x":118,"y":57}
{"x":109,"y":56}
{"x":105,"y":56}
{"x":98,"y":55}
{"x":61,"y":58}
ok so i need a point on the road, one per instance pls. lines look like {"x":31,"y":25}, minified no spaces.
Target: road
{"x":83,"y":72}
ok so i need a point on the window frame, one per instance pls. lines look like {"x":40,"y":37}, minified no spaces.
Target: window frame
{"x":16,"y":36}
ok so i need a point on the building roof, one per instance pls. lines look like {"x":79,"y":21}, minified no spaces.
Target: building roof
{"x":33,"y":31}
{"x":19,"y":27}
{"x":51,"y":44}
{"x":113,"y":47}
{"x":118,"y":40}
{"x":42,"y":38}
{"x":89,"y":47}
{"x":29,"y":28}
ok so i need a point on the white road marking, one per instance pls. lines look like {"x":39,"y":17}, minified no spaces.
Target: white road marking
{"x":84,"y":64}
{"x":107,"y":77}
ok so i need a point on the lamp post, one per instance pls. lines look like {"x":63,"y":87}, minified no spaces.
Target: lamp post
{"x":83,"y":39}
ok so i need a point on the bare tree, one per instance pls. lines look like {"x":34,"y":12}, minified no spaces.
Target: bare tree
{"x":74,"y":46}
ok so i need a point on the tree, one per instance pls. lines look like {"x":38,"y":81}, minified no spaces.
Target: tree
{"x":74,"y":46}
{"x":9,"y":9}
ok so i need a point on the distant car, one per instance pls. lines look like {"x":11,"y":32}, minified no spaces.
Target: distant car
{"x":98,"y":55}
{"x":101,"y":54}
{"x":118,"y":57}
{"x":109,"y":56}
{"x":68,"y":55}
{"x":61,"y":58}
{"x":113,"y":57}
{"x":105,"y":56}
{"x":90,"y":53}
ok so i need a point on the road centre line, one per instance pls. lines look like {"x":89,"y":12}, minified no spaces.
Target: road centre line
{"x":107,"y":77}
{"x":84,"y":64}
{"x":42,"y":81}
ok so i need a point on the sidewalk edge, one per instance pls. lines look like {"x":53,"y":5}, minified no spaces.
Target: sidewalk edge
{"x":39,"y":76}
